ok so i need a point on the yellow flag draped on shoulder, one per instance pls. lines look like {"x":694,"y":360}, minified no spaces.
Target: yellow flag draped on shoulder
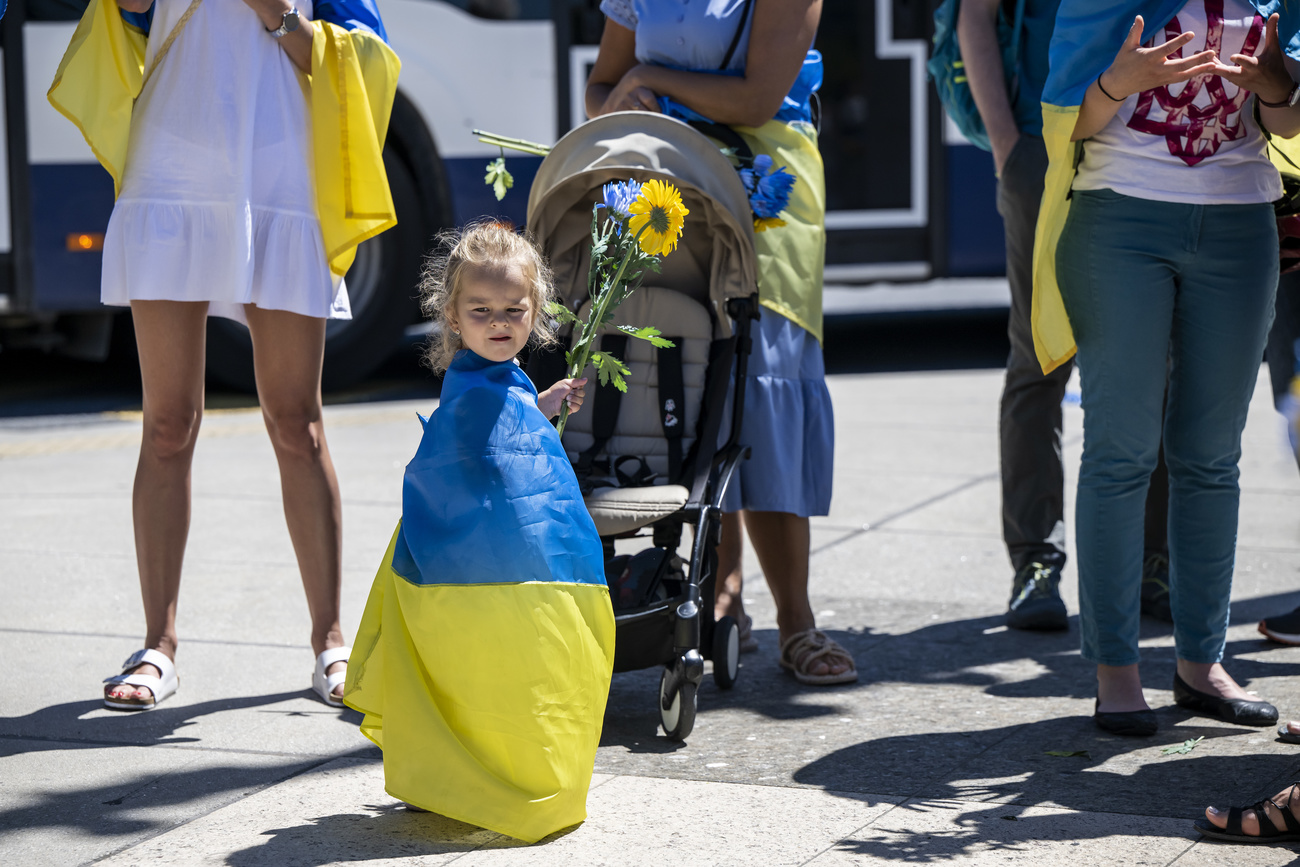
{"x":352,"y":85}
{"x":1053,"y":337}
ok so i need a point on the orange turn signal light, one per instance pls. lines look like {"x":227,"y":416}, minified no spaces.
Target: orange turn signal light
{"x":85,"y":242}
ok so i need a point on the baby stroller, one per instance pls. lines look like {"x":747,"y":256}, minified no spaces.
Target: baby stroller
{"x":650,"y":461}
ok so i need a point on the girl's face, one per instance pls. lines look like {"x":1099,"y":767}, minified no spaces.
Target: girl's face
{"x":493,"y":312}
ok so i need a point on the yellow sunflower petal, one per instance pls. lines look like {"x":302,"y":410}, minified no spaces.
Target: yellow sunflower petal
{"x":659,"y":203}
{"x":762,"y":224}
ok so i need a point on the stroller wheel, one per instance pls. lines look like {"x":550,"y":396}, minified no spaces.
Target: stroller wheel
{"x":679,"y":717}
{"x":726,"y":652}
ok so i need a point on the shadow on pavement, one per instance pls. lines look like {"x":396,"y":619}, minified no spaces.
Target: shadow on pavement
{"x":1121,"y":778}
{"x":67,"y":726}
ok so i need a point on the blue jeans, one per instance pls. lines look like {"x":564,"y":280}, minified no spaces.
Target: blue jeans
{"x":1155,"y":289}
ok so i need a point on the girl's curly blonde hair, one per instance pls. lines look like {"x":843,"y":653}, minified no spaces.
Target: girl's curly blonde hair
{"x":491,"y":245}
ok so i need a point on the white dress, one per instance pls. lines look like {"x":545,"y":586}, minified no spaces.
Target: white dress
{"x":217,"y":200}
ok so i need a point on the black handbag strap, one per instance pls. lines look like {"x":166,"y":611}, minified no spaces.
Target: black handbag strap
{"x":735,"y":40}
{"x":672,"y":404}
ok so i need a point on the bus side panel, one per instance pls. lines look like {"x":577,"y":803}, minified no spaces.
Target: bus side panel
{"x":474,"y":199}
{"x":73,"y":204}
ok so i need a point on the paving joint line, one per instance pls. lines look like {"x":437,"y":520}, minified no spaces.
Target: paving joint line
{"x":195,"y":748}
{"x":56,"y":632}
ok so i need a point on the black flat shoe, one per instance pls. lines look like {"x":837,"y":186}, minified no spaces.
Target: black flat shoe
{"x":1234,"y":710}
{"x":1131,"y":723}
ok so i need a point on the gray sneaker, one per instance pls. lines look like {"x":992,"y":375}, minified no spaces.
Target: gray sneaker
{"x":1036,"y":600}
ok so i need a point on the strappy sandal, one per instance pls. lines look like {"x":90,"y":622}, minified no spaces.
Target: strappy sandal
{"x":323,"y":683}
{"x":748,"y":643}
{"x":161,"y":687}
{"x":1268,"y":832}
{"x":801,"y":650}
{"x":1285,"y":735}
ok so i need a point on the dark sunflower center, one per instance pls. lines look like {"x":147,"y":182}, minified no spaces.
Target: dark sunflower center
{"x":659,"y":220}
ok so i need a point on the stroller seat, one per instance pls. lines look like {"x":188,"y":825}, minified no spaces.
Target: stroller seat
{"x":621,"y":510}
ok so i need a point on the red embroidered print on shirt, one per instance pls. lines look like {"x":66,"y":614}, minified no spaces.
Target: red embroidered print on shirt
{"x":1196,"y":132}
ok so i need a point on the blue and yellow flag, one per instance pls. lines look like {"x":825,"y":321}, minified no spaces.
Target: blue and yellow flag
{"x":353,"y":83}
{"x":485,"y":653}
{"x":1087,"y":37}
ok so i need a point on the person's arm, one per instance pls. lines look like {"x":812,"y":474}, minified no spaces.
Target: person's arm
{"x":1134,"y":70}
{"x":778,"y":42}
{"x":296,"y":44}
{"x":617,"y":55}
{"x":977,"y":34}
{"x":137,"y":6}
{"x":1268,"y":75}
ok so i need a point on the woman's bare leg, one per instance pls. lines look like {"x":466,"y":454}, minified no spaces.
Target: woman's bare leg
{"x":1119,"y":689}
{"x":288,"y":350}
{"x":170,"y":336}
{"x":783,"y":542}
{"x":731,"y":578}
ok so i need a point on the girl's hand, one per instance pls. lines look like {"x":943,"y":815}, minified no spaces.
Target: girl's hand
{"x":1264,"y":74}
{"x":1136,"y":69}
{"x":569,"y":391}
{"x":630,"y":94}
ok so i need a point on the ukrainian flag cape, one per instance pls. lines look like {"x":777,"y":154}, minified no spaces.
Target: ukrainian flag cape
{"x":1087,"y":37}
{"x":484,"y":656}
{"x":352,"y":85}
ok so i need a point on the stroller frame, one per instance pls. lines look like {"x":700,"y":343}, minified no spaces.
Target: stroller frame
{"x":680,"y":632}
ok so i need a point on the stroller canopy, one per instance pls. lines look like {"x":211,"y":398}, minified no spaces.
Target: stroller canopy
{"x":715,"y":258}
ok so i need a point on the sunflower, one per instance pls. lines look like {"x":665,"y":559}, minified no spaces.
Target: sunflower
{"x":762,"y":224}
{"x":660,"y":211}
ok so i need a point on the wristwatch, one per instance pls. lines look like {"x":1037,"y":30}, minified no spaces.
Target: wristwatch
{"x":288,"y":24}
{"x":1289,"y":101}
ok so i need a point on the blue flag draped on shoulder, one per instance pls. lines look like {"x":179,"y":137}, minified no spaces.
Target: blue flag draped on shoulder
{"x":484,"y":656}
{"x":1087,"y":36}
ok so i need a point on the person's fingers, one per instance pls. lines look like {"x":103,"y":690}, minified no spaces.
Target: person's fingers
{"x":1192,"y":59}
{"x":1134,"y":38}
{"x":1270,"y":32}
{"x":1241,"y":60}
{"x":1173,"y":45}
{"x":1194,"y":71}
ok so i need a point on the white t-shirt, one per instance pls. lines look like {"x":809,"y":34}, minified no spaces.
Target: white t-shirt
{"x":1196,"y":141}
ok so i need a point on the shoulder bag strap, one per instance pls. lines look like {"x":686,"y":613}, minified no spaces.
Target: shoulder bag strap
{"x":171,"y":37}
{"x":740,"y":31}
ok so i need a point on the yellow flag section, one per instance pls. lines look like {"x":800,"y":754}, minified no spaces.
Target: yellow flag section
{"x":791,"y":259}
{"x":352,"y":84}
{"x":96,"y":84}
{"x":1053,"y":337}
{"x":487,"y":700}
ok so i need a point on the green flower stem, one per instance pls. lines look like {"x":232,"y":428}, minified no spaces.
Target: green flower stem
{"x":517,"y":144}
{"x":596,"y":316}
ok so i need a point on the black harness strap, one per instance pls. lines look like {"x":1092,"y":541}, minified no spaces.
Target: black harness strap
{"x":672,"y":404}
{"x":604,"y":410}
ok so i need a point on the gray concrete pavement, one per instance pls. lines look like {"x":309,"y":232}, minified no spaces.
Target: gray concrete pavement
{"x":937,"y":755}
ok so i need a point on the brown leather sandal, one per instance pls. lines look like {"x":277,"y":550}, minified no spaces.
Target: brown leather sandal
{"x":801,"y":650}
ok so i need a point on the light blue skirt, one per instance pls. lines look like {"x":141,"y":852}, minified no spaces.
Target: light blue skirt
{"x":788,"y":424}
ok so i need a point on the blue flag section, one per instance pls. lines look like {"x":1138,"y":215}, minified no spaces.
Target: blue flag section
{"x":484,"y":656}
{"x":490,"y":496}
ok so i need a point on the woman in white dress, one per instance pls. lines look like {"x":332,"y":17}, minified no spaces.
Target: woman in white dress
{"x":217,"y":216}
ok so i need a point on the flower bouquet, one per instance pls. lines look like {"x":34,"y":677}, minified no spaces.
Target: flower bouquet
{"x":641,"y":223}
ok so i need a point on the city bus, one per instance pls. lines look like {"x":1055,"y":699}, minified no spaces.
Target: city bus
{"x":907,"y":200}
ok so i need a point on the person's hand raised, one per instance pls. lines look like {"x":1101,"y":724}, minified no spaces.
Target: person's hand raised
{"x":1136,"y":69}
{"x":1265,"y":74}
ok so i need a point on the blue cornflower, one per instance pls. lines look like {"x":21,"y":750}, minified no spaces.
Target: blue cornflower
{"x":619,"y":196}
{"x":768,"y":188}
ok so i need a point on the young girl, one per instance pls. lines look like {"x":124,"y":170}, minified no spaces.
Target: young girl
{"x":484,"y":656}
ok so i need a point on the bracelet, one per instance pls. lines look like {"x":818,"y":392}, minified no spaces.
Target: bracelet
{"x":1285,"y":102}
{"x":1102,"y":88}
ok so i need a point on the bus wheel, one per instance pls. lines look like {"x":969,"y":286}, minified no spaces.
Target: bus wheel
{"x":381,"y":290}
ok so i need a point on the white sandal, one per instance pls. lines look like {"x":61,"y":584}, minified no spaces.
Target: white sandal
{"x":324,"y":684}
{"x":162,"y":687}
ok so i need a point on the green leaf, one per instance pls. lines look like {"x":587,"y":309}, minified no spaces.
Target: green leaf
{"x":649,"y":333}
{"x":1068,"y":754}
{"x":498,"y":178}
{"x":1182,"y":749}
{"x":560,"y":313}
{"x":610,"y":369}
